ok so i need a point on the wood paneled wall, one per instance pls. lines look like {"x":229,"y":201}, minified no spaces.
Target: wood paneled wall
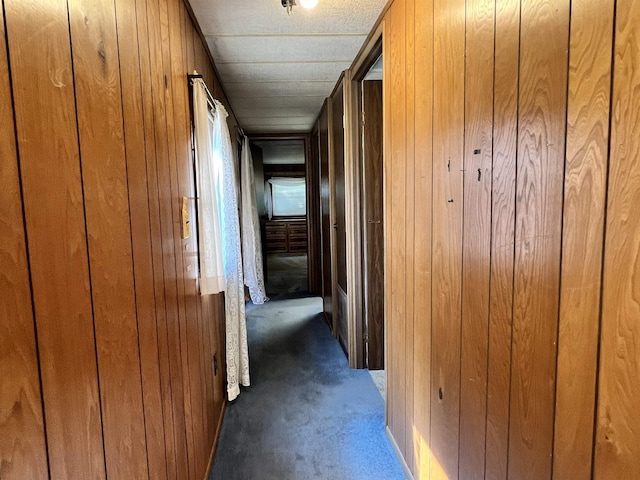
{"x":111,"y":363}
{"x":512,"y":180}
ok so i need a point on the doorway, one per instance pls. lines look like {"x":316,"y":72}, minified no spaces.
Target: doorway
{"x":372,"y":214}
{"x":281,"y":182}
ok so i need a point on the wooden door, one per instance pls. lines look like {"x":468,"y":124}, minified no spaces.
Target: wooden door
{"x":373,"y":223}
{"x":325,"y":214}
{"x":339,"y":225}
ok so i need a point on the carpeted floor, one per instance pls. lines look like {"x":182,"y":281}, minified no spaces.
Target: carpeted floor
{"x":306,"y":415}
{"x":286,"y":276}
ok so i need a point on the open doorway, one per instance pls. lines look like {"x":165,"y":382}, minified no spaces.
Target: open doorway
{"x":280,"y":166}
{"x":372,"y":214}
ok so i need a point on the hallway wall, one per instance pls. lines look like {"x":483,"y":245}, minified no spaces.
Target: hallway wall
{"x":107,"y":351}
{"x":512,"y":147}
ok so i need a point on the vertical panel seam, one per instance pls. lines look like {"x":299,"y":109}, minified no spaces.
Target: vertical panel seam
{"x":515,"y":227}
{"x":604,"y":235}
{"x":26,"y":239}
{"x":133,"y":262}
{"x":163,"y":280}
{"x":564,"y":175}
{"x":86,"y":231}
{"x":493,"y":116}
{"x":152,"y":264}
{"x":462,"y":249}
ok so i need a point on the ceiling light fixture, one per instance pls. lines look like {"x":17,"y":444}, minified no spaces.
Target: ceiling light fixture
{"x":289,"y":4}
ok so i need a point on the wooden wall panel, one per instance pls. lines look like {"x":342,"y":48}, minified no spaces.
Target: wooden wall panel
{"x":448,"y":200}
{"x":476,"y":264}
{"x":409,"y":213}
{"x":129,"y":30}
{"x":23,"y":452}
{"x":395,"y":178}
{"x":146,"y":32}
{"x":617,"y":448}
{"x":325,"y":213}
{"x":539,"y":185}
{"x":100,"y":125}
{"x":338,"y":158}
{"x":126,"y":345}
{"x":160,"y":81}
{"x":503,"y":208}
{"x":55,"y":223}
{"x":422,"y":238}
{"x":584,"y":208}
{"x":514,"y":318}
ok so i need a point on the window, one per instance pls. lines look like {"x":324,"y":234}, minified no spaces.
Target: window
{"x":289,"y":200}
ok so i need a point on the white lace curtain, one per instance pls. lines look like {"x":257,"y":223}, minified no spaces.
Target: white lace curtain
{"x":225,"y":186}
{"x":278,"y":181}
{"x":209,"y":181}
{"x":251,"y":244}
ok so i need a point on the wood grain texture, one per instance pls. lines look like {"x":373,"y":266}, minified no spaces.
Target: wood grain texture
{"x":448,"y":201}
{"x":104,"y":173}
{"x":395,"y":210}
{"x":182,"y":396}
{"x":386,"y":188}
{"x":503,"y":208}
{"x":135,"y":147}
{"x":23,"y":452}
{"x":325,"y":212}
{"x":422,"y":237}
{"x":158,"y":51}
{"x":147,"y":39}
{"x":183,"y":177}
{"x":338,"y":149}
{"x":201,"y":376}
{"x":476,"y":264}
{"x":617,"y":447}
{"x":409,"y":213}
{"x":372,"y":219}
{"x":584,"y":208}
{"x":44,"y":109}
{"x":539,"y":185}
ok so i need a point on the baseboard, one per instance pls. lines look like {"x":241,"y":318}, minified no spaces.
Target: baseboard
{"x":215,"y":440}
{"x":398,"y":453}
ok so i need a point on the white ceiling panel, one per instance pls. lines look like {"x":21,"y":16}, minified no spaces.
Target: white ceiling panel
{"x":287,"y":88}
{"x":260,"y":103}
{"x":275,"y":112}
{"x":270,"y":72}
{"x":233,"y":17}
{"x":281,"y":49}
{"x":277,"y":69}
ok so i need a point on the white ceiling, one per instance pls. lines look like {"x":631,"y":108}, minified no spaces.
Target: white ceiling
{"x":277,"y":69}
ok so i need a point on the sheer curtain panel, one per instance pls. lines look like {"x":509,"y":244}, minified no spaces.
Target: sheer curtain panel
{"x":251,"y":243}
{"x":236,"y":323}
{"x":209,"y":176}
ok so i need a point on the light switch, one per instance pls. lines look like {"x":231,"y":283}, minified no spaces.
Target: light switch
{"x":186,"y":227}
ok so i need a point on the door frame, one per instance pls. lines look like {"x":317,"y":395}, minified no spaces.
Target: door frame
{"x":312,"y":184}
{"x":368,"y":55}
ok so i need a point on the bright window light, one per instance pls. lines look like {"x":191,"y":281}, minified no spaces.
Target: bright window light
{"x":289,"y":200}
{"x":308,"y":3}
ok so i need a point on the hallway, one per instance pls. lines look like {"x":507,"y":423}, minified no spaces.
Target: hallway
{"x":306,"y":415}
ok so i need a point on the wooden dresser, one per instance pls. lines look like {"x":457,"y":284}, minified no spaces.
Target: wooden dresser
{"x":286,"y":236}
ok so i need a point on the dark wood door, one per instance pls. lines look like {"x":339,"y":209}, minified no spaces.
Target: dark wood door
{"x":325,"y":212}
{"x":373,"y":223}
{"x":340,"y":247}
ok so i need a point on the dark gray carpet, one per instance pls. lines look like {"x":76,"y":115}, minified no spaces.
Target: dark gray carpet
{"x":286,"y":276}
{"x":306,"y":415}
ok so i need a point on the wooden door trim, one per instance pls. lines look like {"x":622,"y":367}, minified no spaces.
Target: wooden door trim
{"x":353,"y":193}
